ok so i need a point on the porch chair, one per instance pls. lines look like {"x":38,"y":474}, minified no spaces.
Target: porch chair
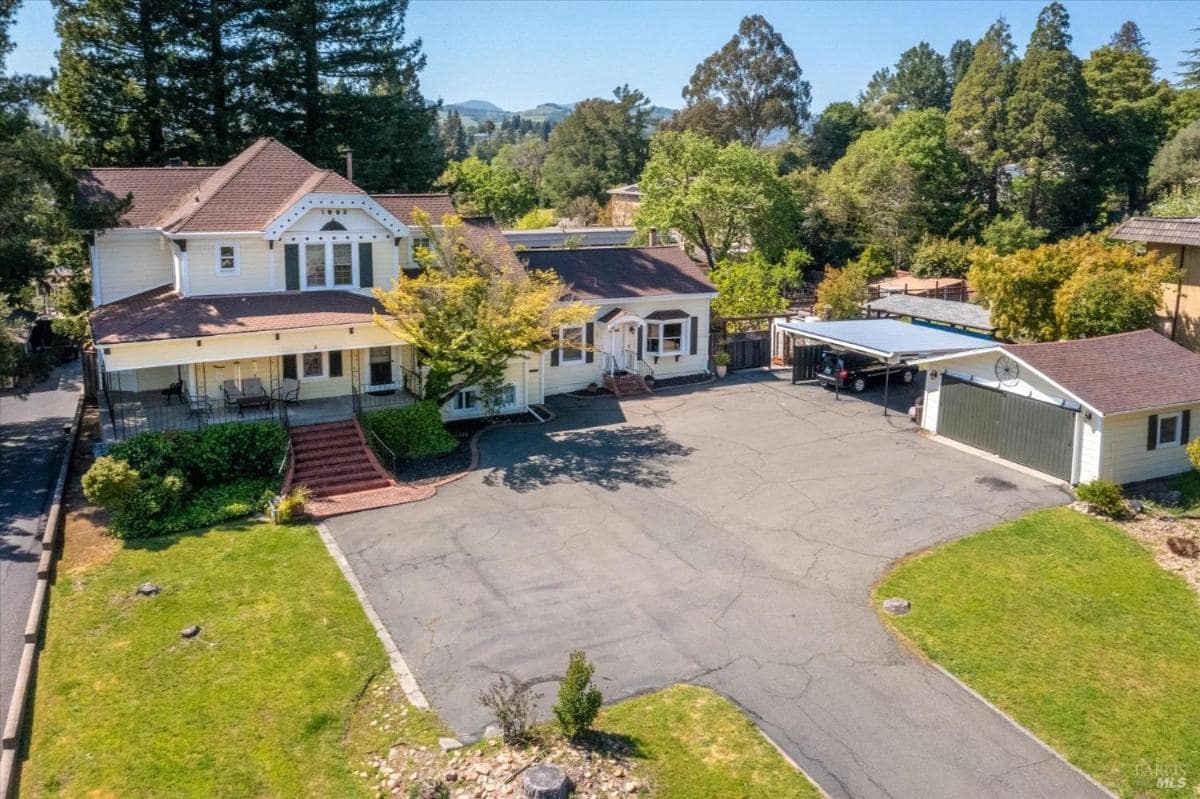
{"x":200,"y":406}
{"x":253,"y":387}
{"x":288,"y":391}
{"x":232,"y":394}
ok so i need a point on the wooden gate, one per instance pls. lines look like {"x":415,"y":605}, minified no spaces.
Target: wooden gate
{"x":748,"y":350}
{"x":805,"y":360}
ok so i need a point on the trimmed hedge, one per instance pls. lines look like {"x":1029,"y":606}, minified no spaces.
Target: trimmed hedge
{"x":413,"y":431}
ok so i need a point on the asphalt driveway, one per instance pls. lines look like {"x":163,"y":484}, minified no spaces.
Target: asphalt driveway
{"x":726,"y":536}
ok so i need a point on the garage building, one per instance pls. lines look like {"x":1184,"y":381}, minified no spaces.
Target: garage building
{"x":1113,"y":407}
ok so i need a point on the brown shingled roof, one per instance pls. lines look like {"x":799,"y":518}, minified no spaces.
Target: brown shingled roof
{"x":1159,"y":230}
{"x":401,"y":206}
{"x":256,"y":186}
{"x":1120,"y":373}
{"x":154,"y":189}
{"x":614,"y":272}
{"x":160,"y":314}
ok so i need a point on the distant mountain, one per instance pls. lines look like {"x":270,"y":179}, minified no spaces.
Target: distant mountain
{"x":477,"y":112}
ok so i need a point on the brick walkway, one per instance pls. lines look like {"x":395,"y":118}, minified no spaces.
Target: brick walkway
{"x":325,"y":507}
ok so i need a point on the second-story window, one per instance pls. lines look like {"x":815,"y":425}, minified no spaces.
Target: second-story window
{"x":314,"y":265}
{"x":343,"y":265}
{"x":227,"y":260}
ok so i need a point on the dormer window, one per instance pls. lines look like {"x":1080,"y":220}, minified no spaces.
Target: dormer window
{"x":227,"y":259}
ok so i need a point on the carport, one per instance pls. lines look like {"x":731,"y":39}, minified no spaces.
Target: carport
{"x":888,"y":340}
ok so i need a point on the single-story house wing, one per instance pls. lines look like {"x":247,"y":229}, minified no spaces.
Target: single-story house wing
{"x":1114,"y":407}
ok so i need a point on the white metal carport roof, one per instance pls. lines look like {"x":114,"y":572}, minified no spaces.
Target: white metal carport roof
{"x":886,"y":339}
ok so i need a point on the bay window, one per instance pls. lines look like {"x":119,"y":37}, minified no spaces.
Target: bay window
{"x":664,"y":338}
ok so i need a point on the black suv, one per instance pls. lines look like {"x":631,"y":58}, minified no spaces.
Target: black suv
{"x":852,"y":370}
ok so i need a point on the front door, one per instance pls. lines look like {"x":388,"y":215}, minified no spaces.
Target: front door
{"x":629,"y":346}
{"x":381,"y":366}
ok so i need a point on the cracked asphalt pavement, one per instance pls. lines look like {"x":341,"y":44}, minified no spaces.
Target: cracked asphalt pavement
{"x":728,"y":536}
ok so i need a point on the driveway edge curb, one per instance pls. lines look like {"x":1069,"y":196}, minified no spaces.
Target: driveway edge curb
{"x":408,"y":682}
{"x":1026,"y":732}
{"x":18,"y":709}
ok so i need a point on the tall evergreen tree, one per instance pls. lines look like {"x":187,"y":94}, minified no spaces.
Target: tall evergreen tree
{"x":1047,"y":124}
{"x":837,"y":127}
{"x":454,"y":137}
{"x":214,"y":57}
{"x":1189,"y":73}
{"x":959,"y":60}
{"x":878,"y":100}
{"x":921,"y":80}
{"x":977,"y":122}
{"x":113,"y":91}
{"x":1129,"y":112}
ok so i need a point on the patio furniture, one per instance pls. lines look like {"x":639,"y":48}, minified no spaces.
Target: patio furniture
{"x":253,"y":401}
{"x":253,"y":387}
{"x":288,"y":391}
{"x":232,"y":394}
{"x":200,"y":406}
{"x":173,"y":390}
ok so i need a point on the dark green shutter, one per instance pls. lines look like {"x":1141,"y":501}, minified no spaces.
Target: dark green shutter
{"x":589,"y":337}
{"x":695,"y":334}
{"x":641,"y":334}
{"x":554,"y":352}
{"x":289,"y":366}
{"x":1186,"y":427}
{"x":335,"y":363}
{"x":291,"y":268}
{"x":1152,"y":432}
{"x":366,"y":267}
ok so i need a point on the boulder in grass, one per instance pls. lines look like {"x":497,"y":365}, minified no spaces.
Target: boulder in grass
{"x":190,"y":632}
{"x":148,"y":589}
{"x":896,"y":606}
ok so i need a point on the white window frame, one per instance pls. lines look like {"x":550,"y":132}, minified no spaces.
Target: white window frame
{"x":563,"y":350}
{"x":458,"y":404}
{"x":237,"y":258}
{"x":300,"y":375}
{"x":658,"y":352}
{"x":1178,"y":440}
{"x":328,"y":284}
{"x":505,"y":389}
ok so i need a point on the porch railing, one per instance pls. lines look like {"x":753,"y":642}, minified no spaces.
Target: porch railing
{"x":131,"y":415}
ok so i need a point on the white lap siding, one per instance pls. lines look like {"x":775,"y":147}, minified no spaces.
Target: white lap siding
{"x":1126,"y":456}
{"x":564,"y":377}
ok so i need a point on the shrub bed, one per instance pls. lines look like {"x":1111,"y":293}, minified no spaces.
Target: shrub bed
{"x":414,"y":431}
{"x":169,"y":482}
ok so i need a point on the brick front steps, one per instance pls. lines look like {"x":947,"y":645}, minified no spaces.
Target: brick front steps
{"x":625,"y":384}
{"x":333,"y":461}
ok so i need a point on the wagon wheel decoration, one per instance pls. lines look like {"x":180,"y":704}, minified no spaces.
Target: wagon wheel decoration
{"x":1008,"y":371}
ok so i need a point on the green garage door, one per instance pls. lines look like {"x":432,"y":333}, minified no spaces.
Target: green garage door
{"x":1022,"y":430}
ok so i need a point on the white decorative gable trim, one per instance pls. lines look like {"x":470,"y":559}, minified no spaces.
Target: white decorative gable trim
{"x":277,"y":226}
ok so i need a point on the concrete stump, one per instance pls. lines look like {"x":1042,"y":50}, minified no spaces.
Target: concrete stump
{"x":896,"y":606}
{"x":546,"y":782}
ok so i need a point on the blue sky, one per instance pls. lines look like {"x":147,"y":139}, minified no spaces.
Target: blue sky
{"x":518,"y":54}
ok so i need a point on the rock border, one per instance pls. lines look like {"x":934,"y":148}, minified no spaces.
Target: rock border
{"x":18,"y":709}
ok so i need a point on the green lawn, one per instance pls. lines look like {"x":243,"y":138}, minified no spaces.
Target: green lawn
{"x":1068,"y":625}
{"x":1188,"y":484}
{"x":257,"y":705}
{"x":695,"y":743}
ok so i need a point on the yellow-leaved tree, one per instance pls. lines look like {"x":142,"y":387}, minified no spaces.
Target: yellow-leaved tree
{"x":473,"y":307}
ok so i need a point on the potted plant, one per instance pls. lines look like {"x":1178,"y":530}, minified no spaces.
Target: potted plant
{"x":721,"y":359}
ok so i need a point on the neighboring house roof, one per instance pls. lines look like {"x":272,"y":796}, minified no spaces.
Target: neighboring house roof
{"x":617,"y":272}
{"x":1119,"y":373}
{"x":247,"y":193}
{"x":557,"y":236}
{"x":964,"y":314}
{"x":904,"y":281}
{"x":1159,"y":230}
{"x":160,"y":314}
{"x":401,"y":206}
{"x":154,"y":189}
{"x":631,"y":190}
